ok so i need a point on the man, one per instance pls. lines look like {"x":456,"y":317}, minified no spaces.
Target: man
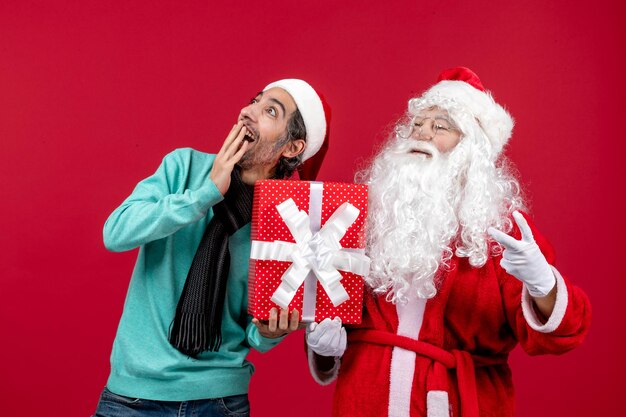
{"x":459,"y":276}
{"x":184,"y":334}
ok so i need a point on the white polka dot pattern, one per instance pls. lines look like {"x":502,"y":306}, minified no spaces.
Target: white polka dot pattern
{"x":267,"y":225}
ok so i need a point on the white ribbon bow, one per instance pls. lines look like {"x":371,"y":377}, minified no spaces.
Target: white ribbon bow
{"x":320,"y":252}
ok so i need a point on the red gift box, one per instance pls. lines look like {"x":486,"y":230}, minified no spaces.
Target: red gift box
{"x":307,"y":249}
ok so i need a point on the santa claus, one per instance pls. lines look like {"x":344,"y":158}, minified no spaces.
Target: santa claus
{"x":459,"y":275}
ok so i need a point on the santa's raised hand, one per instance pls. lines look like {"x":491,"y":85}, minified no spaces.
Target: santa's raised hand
{"x":523,"y":259}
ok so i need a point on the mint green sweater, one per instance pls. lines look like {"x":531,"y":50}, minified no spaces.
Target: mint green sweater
{"x":166,"y":216}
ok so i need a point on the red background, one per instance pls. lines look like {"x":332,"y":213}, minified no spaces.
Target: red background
{"x":94,"y":93}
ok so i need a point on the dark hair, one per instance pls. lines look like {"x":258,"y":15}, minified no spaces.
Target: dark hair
{"x":295,"y":130}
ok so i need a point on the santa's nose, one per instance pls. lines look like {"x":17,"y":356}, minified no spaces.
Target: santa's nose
{"x":424,"y":133}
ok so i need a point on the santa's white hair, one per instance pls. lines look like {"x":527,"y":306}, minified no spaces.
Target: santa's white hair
{"x":422,"y":211}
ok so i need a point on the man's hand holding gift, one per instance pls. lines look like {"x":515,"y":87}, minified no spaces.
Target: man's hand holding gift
{"x":279,"y":325}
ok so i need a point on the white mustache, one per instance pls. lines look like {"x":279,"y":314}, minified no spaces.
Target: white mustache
{"x":410,"y":145}
{"x":426,"y":147}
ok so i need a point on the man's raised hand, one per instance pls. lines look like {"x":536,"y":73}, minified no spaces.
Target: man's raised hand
{"x":228,"y":156}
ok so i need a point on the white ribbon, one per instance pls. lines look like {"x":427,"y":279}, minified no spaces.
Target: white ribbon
{"x":320,"y":252}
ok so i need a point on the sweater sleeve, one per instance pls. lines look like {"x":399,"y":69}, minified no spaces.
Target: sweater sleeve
{"x":569,"y":322}
{"x":257,"y":341}
{"x":159,"y":205}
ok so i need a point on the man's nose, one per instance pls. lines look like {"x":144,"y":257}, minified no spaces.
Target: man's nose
{"x":249,"y":112}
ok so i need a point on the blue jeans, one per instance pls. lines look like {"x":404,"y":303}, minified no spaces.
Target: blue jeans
{"x":113,"y":405}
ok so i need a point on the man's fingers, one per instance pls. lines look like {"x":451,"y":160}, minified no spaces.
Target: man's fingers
{"x":232,"y":129}
{"x":527,"y":234}
{"x":273,"y":320}
{"x":234,"y":133}
{"x":240,"y":152}
{"x":502,"y":238}
{"x":279,"y":323}
{"x":260,"y":325}
{"x":229,"y":138}
{"x":234,"y":144}
{"x":294,"y":320}
{"x":283,"y":322}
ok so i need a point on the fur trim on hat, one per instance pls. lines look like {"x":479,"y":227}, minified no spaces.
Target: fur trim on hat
{"x":311,"y":109}
{"x":493,"y":119}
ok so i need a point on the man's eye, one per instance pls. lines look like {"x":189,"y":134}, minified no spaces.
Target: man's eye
{"x":418,"y":124}
{"x":442,"y":127}
{"x":272,"y":111}
{"x":254,"y":100}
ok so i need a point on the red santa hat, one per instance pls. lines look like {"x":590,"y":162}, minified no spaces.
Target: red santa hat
{"x":316,"y":115}
{"x":462,"y":87}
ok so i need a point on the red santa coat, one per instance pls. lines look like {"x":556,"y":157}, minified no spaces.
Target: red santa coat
{"x":477,"y":317}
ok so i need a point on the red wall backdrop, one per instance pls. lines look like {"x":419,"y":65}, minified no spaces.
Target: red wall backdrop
{"x":94,"y":93}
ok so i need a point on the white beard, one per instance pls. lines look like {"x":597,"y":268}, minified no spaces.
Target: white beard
{"x":416,"y":207}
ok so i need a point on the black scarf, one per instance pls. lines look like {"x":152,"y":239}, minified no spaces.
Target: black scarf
{"x":197,"y":326}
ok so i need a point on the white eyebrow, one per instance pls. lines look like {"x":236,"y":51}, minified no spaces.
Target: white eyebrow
{"x":435,"y":117}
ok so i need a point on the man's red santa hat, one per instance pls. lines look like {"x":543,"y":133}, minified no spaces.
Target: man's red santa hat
{"x":460,"y":88}
{"x":316,"y":115}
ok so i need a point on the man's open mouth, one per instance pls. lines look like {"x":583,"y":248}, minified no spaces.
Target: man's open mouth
{"x":250,"y":135}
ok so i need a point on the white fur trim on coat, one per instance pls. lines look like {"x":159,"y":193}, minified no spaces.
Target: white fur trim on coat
{"x":410,"y":318}
{"x":437,"y":404}
{"x":559,"y":307}
{"x":322,"y":378}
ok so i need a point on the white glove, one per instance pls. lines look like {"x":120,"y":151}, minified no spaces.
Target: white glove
{"x":523,"y":259}
{"x":327,"y":338}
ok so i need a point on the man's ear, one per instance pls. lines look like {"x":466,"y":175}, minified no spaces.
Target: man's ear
{"x":294,"y":148}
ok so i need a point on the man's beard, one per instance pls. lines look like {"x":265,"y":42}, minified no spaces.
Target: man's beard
{"x":412,"y":218}
{"x":263,"y":152}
